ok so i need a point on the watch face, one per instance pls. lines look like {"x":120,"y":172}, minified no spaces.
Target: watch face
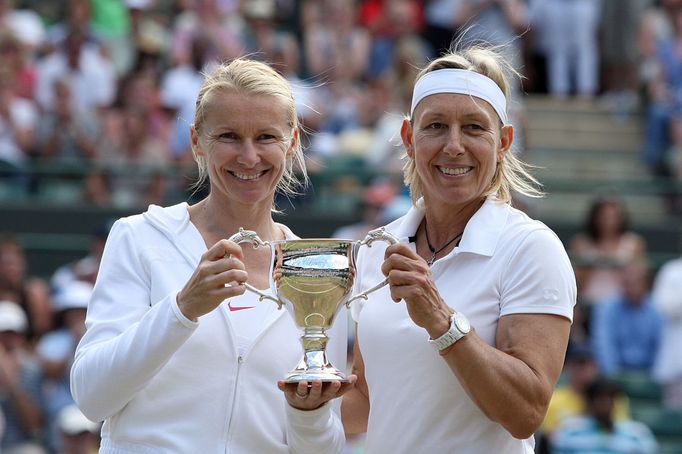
{"x":462,"y":323}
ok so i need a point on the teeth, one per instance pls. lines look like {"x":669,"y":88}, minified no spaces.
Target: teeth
{"x":457,"y":171}
{"x":242,"y":176}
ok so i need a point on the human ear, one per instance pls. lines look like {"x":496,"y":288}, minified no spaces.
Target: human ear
{"x":506,"y":140}
{"x":292,"y":144}
{"x":406,"y":136}
{"x":194,"y":137}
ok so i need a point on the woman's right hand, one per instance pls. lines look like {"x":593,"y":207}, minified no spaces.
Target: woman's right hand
{"x":219,"y":275}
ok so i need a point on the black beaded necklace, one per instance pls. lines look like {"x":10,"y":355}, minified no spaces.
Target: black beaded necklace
{"x":433,"y":250}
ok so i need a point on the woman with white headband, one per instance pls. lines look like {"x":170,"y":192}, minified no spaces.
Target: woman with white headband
{"x":461,"y":352}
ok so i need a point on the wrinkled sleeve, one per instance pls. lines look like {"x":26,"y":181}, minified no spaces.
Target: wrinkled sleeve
{"x":311,"y":432}
{"x":128,"y":338}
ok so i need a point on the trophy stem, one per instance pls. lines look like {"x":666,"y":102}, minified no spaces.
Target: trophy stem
{"x":315,"y":365}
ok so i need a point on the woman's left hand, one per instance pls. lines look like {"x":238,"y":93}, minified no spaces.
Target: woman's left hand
{"x":310,"y":397}
{"x":410,"y":279}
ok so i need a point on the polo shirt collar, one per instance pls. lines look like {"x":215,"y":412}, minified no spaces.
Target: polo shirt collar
{"x":481,"y":234}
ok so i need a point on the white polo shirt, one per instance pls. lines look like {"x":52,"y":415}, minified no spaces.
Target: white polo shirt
{"x":506,"y":263}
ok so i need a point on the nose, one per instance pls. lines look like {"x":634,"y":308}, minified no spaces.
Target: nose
{"x":453,"y":145}
{"x":248,"y":154}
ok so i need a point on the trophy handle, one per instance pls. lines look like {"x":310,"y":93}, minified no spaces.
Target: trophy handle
{"x":372,"y":236}
{"x":252,"y":237}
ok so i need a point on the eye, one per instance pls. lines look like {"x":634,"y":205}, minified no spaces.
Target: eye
{"x":228,"y":136}
{"x":435,"y":125}
{"x":474,"y":127}
{"x":268,"y":138}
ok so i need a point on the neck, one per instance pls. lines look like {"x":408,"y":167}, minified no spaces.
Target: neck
{"x":443,"y":224}
{"x":219,"y":220}
{"x":434,"y":249}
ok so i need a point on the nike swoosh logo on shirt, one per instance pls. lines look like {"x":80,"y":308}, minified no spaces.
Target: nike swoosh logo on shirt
{"x":237,"y":308}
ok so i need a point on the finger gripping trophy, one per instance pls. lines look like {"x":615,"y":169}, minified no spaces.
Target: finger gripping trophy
{"x":313,"y":279}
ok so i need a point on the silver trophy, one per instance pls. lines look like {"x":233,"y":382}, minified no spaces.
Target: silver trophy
{"x":313,"y":279}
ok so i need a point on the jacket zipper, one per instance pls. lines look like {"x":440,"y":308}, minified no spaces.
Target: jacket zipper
{"x":228,"y":427}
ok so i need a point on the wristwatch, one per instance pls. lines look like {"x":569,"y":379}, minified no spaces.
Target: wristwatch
{"x":459,"y":327}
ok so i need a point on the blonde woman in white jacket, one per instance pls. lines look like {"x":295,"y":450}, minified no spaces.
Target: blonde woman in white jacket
{"x":176,"y":361}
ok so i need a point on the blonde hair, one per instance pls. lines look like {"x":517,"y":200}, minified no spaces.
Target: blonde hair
{"x":251,"y":77}
{"x":511,"y":174}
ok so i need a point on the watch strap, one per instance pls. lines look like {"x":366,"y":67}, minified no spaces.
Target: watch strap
{"x":452,"y":335}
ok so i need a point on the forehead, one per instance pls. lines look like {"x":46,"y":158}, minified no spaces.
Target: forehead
{"x":227,"y":105}
{"x":454,"y":104}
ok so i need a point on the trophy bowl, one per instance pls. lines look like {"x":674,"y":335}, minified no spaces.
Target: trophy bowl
{"x":313,"y":279}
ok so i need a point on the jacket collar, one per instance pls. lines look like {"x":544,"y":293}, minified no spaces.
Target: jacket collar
{"x":174,"y":223}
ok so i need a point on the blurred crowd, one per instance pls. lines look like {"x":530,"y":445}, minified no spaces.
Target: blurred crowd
{"x":101,"y":93}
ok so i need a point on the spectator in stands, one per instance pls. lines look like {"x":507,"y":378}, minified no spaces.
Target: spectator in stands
{"x":287,"y":61}
{"x":23,"y":23}
{"x":18,"y":60}
{"x":661,"y":68}
{"x":626,"y":329}
{"x":169,"y":298}
{"x":207,"y":22}
{"x":140,"y":91}
{"x":605,"y":244}
{"x":336,"y":53}
{"x":385,"y":154}
{"x":376,"y":196}
{"x":56,"y":349}
{"x":597,"y":431}
{"x":463,"y":252}
{"x":619,"y":35}
{"x":89,"y":70}
{"x":667,"y":298}
{"x":132,"y":171}
{"x":397,"y":21}
{"x":110,"y":22}
{"x":85,"y":268}
{"x":570,"y":30}
{"x":18,"y":119}
{"x":79,"y":435}
{"x":76,"y":18}
{"x":149,"y":38}
{"x":334,"y":42}
{"x":671,"y":61}
{"x":498,"y":22}
{"x":568,"y":400}
{"x":179,"y":87}
{"x":30,"y":292}
{"x":441,"y":20}
{"x":261,"y":38}
{"x":66,"y":135}
{"x":20,"y":385}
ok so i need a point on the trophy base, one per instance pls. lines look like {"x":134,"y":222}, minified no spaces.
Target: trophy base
{"x":328,"y":374}
{"x":315,"y":366}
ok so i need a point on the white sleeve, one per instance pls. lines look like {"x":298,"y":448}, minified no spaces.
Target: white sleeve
{"x":538,"y":278}
{"x":128,"y":339}
{"x":314,"y":431}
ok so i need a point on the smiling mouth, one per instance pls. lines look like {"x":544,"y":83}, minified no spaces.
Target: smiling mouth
{"x":455,"y":170}
{"x":248,"y":177}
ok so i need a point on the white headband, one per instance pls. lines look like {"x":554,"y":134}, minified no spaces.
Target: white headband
{"x":464,"y":82}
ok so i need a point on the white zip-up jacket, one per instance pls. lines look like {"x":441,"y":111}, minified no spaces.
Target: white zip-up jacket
{"x":165,"y":384}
